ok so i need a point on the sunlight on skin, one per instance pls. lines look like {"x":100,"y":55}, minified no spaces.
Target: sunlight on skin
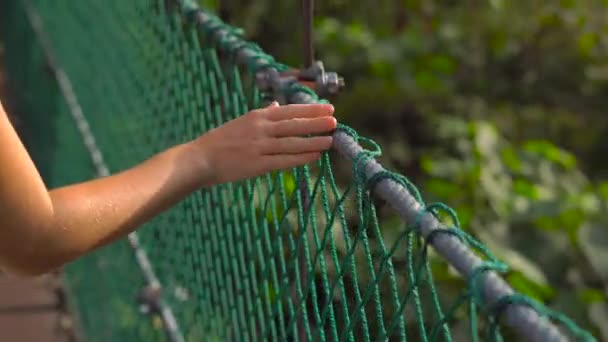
{"x":42,"y":230}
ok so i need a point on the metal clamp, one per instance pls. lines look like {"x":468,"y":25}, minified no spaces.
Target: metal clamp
{"x":327,"y":83}
{"x":149,"y":299}
{"x":315,"y":77}
{"x":272,"y":83}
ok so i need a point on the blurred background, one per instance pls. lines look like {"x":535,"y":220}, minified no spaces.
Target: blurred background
{"x":497,"y":108}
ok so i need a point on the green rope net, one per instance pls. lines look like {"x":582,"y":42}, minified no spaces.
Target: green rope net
{"x":242,"y":261}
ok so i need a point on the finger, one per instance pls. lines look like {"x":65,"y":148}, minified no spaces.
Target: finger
{"x":273,"y":104}
{"x":300,"y":127}
{"x":296,"y":145}
{"x":281,"y":162}
{"x":293,"y":111}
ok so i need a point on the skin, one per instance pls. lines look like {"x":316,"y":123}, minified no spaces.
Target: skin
{"x":42,"y":229}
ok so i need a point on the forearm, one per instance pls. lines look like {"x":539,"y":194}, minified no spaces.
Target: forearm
{"x":95,"y":213}
{"x":56,"y":227}
{"x":41,"y":230}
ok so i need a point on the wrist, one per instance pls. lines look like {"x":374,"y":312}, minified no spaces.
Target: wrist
{"x":197,"y":164}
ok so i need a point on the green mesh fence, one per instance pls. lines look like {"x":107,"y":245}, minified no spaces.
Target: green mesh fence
{"x":249,"y":260}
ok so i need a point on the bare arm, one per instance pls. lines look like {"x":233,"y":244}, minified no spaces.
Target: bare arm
{"x":41,"y":230}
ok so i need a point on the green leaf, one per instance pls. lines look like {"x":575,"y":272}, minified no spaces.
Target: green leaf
{"x":551,"y":152}
{"x":426,"y":80}
{"x":525,"y":188}
{"x":289,"y":186}
{"x":465,"y":214}
{"x":547,"y":223}
{"x":442,"y":189}
{"x":511,"y":159}
{"x":571,"y":218}
{"x":593,"y":240}
{"x":289,"y":183}
{"x":266,"y":287}
{"x":592,"y":296}
{"x":603,"y":189}
{"x":530,"y":288}
{"x":382,"y":69}
{"x":443,"y":275}
{"x":586,"y":42}
{"x":209,"y":4}
{"x":426,"y":163}
{"x":444,"y":167}
{"x":442,"y":63}
{"x":589,"y":203}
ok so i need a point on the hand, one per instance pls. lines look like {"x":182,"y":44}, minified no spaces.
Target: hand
{"x":264,"y":140}
{"x":60,"y":225}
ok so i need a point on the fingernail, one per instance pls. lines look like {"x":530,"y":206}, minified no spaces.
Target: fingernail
{"x":273,"y":104}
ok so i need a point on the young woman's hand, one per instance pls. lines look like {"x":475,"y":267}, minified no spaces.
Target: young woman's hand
{"x":264,"y":140}
{"x":44,"y":229}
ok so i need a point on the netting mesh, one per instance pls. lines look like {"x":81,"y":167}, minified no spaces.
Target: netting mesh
{"x":241,"y":261}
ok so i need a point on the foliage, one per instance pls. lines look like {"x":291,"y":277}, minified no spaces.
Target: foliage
{"x":531,"y":205}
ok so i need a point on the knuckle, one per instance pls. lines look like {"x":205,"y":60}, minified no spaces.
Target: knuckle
{"x":256,"y":111}
{"x":257,"y":114}
{"x":258,"y":124}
